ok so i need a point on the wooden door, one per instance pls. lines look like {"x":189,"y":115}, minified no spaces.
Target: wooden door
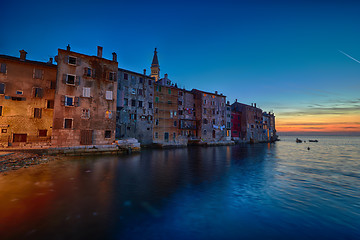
{"x":86,"y":137}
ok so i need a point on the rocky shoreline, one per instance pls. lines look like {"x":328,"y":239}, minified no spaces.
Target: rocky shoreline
{"x":17,"y":160}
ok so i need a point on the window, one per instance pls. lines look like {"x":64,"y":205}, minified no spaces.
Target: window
{"x":156,"y":135}
{"x":149,"y":82}
{"x":2,"y":67}
{"x":204,"y":110}
{"x":156,"y":99}
{"x":107,"y":134}
{"x":52,"y":85}
{"x":133,"y":91}
{"x":140,"y":92}
{"x":171,"y":114}
{"x":37,"y":112}
{"x":68,"y":123}
{"x":109,"y":95}
{"x":86,"y":92}
{"x":180,"y":93}
{"x":38,"y":92}
{"x":180,"y":103}
{"x":126,"y":76}
{"x":156,"y":110}
{"x":133,"y":103}
{"x":133,"y":116}
{"x":43,"y":133}
{"x":204,"y":101}
{"x":180,"y":112}
{"x":72,"y":60}
{"x":175,"y":123}
{"x":213,"y":121}
{"x":140,"y":104}
{"x":140,"y":80}
{"x":204,"y":132}
{"x":169,"y":90}
{"x":156,"y":122}
{"x":150,"y":104}
{"x":85,"y":114}
{"x":2,"y":88}
{"x":169,"y":102}
{"x":50,"y":104}
{"x":19,"y":92}
{"x":3,"y":130}
{"x":70,"y":79}
{"x":38,"y":73}
{"x":126,"y":102}
{"x":112,"y":76}
{"x":1,"y":109}
{"x":205,"y":121}
{"x":69,"y":101}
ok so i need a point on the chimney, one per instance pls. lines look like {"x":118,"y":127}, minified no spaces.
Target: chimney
{"x":251,"y":104}
{"x":255,"y":105}
{"x":228,"y":102}
{"x":114,"y":56}
{"x":50,"y":61}
{"x":235,"y":100}
{"x":166,"y":76}
{"x":99,"y":52}
{"x":23,"y":55}
{"x":216,"y":92}
{"x":144,"y":71}
{"x":68,"y":47}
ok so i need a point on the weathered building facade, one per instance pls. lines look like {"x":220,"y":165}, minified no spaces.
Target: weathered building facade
{"x":27,"y":91}
{"x":251,"y":122}
{"x":135,"y":106}
{"x":210,"y":111}
{"x":166,"y":118}
{"x":187,"y":115}
{"x":85,"y":99}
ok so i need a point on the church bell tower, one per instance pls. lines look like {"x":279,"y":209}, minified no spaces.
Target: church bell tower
{"x":155,"y":68}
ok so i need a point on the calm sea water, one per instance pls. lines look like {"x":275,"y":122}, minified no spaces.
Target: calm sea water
{"x":262,"y":191}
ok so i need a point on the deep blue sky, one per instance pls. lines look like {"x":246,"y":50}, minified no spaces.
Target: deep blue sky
{"x":283,"y":55}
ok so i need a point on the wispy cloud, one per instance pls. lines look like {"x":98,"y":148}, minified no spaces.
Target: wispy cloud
{"x":349,"y":56}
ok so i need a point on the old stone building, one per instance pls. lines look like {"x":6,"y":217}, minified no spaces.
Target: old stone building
{"x":228,"y":121}
{"x":251,"y":122}
{"x":27,"y":91}
{"x":187,"y":115}
{"x":85,"y":99}
{"x":166,"y":118}
{"x":210,"y":112}
{"x":135,"y":106}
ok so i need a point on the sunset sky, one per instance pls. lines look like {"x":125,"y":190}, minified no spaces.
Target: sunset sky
{"x":300,"y":59}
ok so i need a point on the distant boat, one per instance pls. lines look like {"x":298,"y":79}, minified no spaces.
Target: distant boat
{"x":298,"y":140}
{"x":313,"y":140}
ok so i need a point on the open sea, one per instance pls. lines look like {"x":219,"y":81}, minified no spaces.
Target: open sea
{"x":280,"y":190}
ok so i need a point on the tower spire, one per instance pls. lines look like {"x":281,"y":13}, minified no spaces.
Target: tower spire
{"x":155,"y":68}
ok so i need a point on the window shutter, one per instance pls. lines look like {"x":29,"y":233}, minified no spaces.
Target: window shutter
{"x":93,"y":73}
{"x":104,"y":74}
{"x":64,"y":78}
{"x":78,"y":61}
{"x":77,"y":80}
{"x":85,"y":71}
{"x":41,"y":92}
{"x":77,"y":102}
{"x":62,"y":99}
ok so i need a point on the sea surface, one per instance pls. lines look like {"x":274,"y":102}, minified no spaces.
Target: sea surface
{"x":262,"y":191}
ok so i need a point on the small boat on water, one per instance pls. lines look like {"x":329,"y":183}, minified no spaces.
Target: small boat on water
{"x":298,"y":140}
{"x":313,"y":140}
